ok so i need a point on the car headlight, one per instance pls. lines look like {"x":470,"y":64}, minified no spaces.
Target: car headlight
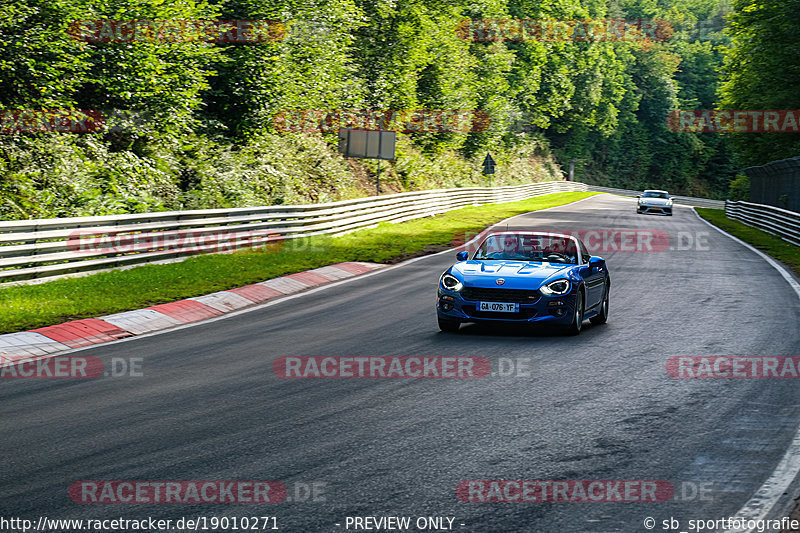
{"x":669,"y":202}
{"x":641,"y":201}
{"x":554,"y":288}
{"x":451,"y":283}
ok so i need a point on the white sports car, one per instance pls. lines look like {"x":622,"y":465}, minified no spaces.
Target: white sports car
{"x":652,"y":201}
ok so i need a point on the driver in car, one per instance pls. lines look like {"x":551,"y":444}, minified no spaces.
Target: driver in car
{"x":510,"y":245}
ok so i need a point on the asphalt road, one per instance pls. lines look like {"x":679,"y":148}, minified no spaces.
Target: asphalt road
{"x":208,"y":405}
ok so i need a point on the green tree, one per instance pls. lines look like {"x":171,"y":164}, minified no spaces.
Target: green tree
{"x":761,"y":72}
{"x":40,"y":65}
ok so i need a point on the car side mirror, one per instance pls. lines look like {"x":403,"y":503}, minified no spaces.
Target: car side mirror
{"x":462,"y":256}
{"x":638,"y":196}
{"x":596,"y":262}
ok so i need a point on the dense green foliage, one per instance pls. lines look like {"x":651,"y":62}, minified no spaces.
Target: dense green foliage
{"x":193,"y":122}
{"x":761,"y":72}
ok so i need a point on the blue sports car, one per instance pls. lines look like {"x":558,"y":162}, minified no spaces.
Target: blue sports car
{"x":525,"y":277}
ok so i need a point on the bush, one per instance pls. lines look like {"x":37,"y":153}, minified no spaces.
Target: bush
{"x":58,"y":175}
{"x":740,"y":188}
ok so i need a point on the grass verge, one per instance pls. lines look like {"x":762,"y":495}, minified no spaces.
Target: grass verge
{"x":25,"y":307}
{"x":785,"y":252}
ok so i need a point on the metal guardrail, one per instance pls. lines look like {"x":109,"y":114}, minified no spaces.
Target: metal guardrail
{"x":684,"y":200}
{"x":51,"y":248}
{"x":776,"y":183}
{"x":781,"y":222}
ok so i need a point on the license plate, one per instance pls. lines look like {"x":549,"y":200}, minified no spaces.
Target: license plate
{"x":656,"y":208}
{"x":498,"y":307}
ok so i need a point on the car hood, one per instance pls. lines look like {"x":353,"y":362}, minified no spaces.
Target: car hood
{"x":655,"y":201}
{"x":517,"y":274}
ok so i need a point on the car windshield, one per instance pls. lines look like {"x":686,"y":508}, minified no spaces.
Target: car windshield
{"x":653,"y":194}
{"x":549,"y":248}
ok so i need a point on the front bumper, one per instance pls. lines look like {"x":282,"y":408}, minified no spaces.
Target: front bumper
{"x":654,"y":209}
{"x":451,"y":305}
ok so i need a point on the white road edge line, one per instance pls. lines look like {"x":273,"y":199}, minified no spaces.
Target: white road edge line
{"x":282,"y":299}
{"x":767,"y":496}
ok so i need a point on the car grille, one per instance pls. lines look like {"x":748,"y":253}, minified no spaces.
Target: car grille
{"x":524,"y":313}
{"x":480,"y":294}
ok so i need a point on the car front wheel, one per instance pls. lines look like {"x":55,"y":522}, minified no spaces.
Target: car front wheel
{"x":577,"y":316}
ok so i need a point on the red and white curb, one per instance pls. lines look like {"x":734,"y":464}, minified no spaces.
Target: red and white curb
{"x":88,"y":331}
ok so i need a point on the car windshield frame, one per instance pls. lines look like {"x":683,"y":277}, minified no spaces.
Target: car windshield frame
{"x":654,"y":194}
{"x":574,"y":255}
